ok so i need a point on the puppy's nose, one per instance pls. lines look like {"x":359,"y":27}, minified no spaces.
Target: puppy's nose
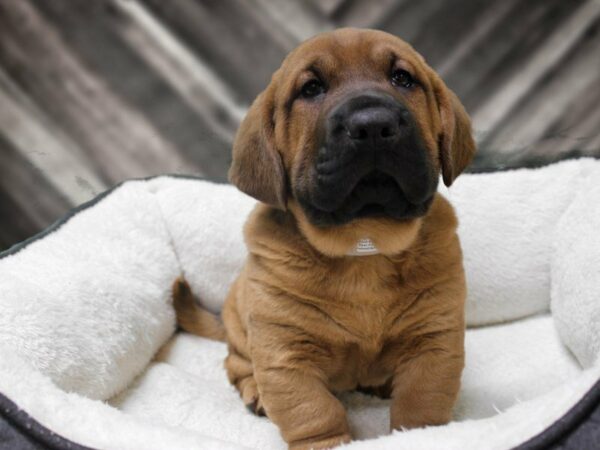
{"x":369,"y":120}
{"x":373,"y":124}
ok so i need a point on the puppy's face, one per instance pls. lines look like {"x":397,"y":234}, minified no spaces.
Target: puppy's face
{"x":354,"y":124}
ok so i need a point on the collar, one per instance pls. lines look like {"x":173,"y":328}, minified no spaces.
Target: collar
{"x":364,"y":247}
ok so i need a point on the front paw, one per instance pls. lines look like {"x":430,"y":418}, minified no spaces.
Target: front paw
{"x":256,"y":407}
{"x":330,"y":442}
{"x":250,"y":396}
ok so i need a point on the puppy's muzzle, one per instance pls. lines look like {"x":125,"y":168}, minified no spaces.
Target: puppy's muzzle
{"x":372,"y":163}
{"x":370,"y":122}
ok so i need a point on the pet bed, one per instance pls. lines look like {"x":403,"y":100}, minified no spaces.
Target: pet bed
{"x":88,"y":354}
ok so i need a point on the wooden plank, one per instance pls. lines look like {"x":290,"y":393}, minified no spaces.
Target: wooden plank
{"x":301,"y":20}
{"x":117,"y":50}
{"x":449,"y":25}
{"x":62,"y":164}
{"x":484,"y":24}
{"x":244,"y":47}
{"x":194,"y":80}
{"x":497,"y":106}
{"x":361,"y":14}
{"x":327,"y":7}
{"x":80,"y":103}
{"x":541,"y":120}
{"x":14,"y":226}
{"x":511,"y":40}
{"x":406,"y":19}
{"x":28,"y":202}
{"x":586,"y":130}
{"x":592,"y":145}
{"x":576,"y":130}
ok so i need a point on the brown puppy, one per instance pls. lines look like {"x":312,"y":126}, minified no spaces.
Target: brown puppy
{"x":346,"y":144}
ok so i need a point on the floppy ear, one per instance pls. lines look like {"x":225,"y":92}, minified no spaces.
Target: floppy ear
{"x":257,"y":168}
{"x":457,"y":146}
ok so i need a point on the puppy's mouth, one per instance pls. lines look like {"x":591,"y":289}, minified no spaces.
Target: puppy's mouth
{"x":377,"y":194}
{"x":373,"y":195}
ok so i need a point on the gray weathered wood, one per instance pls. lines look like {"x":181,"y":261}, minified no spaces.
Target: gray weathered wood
{"x":96,"y":91}
{"x":80,"y":103}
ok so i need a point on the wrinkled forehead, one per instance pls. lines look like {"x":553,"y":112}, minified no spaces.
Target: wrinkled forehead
{"x":350,"y":53}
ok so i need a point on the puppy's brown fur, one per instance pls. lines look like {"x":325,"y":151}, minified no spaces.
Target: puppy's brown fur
{"x":303,"y":321}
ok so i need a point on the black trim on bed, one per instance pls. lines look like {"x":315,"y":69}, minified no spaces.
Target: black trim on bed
{"x":578,"y":429}
{"x":19,"y":431}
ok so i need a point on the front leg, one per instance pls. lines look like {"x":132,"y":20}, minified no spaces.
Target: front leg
{"x":426,"y":381}
{"x":293,"y":388}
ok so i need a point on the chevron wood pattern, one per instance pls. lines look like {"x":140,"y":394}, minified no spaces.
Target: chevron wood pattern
{"x":96,"y":91}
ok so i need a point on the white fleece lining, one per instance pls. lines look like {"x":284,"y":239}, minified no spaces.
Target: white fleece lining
{"x":83,"y":310}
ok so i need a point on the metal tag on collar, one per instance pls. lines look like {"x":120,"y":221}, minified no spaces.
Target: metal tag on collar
{"x":364,"y":247}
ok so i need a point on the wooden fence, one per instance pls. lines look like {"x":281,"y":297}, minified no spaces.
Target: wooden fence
{"x":96,"y":91}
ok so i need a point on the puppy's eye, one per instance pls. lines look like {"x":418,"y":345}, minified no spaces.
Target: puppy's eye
{"x":402,"y":78}
{"x":312,"y":89}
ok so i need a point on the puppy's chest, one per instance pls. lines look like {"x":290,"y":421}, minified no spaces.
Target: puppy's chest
{"x":364,"y":300}
{"x":365,"y":312}
{"x":370,"y":314}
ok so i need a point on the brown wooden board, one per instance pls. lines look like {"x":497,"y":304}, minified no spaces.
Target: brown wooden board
{"x":95,"y":92}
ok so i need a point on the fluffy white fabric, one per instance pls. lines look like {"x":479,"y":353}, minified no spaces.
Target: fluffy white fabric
{"x":188,"y":388}
{"x":83,"y":310}
{"x":507,"y":230}
{"x":576,"y":271}
{"x":206,"y":221}
{"x":88,"y":305}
